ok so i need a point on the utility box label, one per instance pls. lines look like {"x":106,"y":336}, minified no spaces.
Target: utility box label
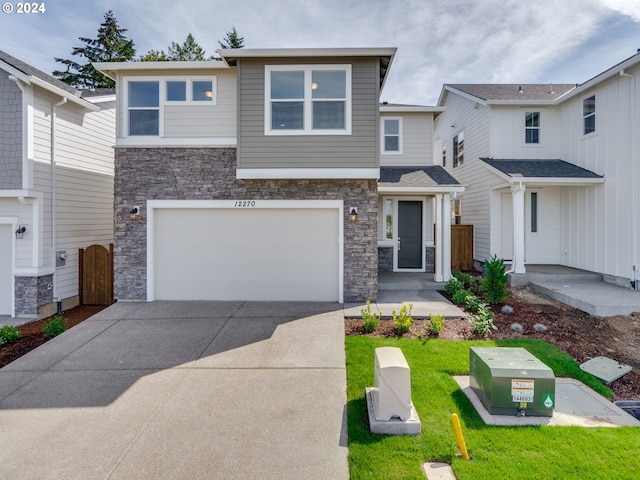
{"x":522,"y":390}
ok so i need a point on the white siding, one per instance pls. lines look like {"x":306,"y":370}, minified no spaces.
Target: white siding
{"x":417,"y":140}
{"x":11,"y":207}
{"x":461,"y":116}
{"x":543,"y":246}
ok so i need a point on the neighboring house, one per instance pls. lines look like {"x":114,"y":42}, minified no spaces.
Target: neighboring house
{"x":56,"y":186}
{"x":256,"y":177}
{"x":552,"y":171}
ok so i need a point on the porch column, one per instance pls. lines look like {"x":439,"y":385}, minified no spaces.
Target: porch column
{"x":446,"y":237}
{"x":517,"y":191}
{"x":438,"y":277}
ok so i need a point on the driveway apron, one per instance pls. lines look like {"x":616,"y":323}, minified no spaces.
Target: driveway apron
{"x":181,"y":390}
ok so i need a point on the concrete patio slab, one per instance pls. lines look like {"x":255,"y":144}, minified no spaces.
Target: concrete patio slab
{"x":576,"y":405}
{"x":425,"y":302}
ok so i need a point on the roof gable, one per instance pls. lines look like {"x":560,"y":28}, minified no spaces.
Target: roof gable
{"x":513,"y":92}
{"x":34,"y":72}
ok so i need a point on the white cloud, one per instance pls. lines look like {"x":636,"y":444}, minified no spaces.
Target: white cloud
{"x":626,"y":7}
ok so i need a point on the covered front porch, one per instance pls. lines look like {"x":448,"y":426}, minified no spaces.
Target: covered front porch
{"x":414,"y":222}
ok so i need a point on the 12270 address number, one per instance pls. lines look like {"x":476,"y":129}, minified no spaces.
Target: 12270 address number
{"x":245,"y":203}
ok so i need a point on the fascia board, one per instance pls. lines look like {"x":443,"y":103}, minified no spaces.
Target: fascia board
{"x":411,"y":109}
{"x":58,"y":91}
{"x":422,"y":190}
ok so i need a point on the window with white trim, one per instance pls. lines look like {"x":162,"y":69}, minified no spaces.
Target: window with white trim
{"x":307,"y":99}
{"x":458,"y":149}
{"x":532,"y":127}
{"x":146,"y":97}
{"x":391,"y":135}
{"x":589,"y":114}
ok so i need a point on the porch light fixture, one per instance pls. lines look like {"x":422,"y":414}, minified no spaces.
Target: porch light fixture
{"x":134,"y":214}
{"x":20,"y":231}
{"x":353,"y":213}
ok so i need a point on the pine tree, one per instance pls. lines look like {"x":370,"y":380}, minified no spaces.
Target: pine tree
{"x":232,"y":40}
{"x":188,"y":51}
{"x":111,"y":45}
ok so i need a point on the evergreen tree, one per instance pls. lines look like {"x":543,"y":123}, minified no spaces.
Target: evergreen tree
{"x":111,"y":45}
{"x":188,"y":51}
{"x":232,"y":40}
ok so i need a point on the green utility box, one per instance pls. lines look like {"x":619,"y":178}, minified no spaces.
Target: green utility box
{"x":511,"y":381}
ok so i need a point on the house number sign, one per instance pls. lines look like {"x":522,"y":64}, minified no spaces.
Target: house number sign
{"x":244,"y":203}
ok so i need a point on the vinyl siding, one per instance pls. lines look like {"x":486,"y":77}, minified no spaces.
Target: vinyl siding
{"x":190,"y":121}
{"x":358,"y":150}
{"x":417,"y":140}
{"x":476,"y":204}
{"x":11,"y":207}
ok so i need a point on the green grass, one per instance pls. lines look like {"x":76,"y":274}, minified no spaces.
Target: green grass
{"x":497,"y":452}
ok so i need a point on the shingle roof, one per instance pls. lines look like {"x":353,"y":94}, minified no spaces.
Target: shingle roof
{"x":431,"y":176}
{"x":97,"y":92}
{"x":515,"y":91}
{"x":540,"y":168}
{"x":34,"y":72}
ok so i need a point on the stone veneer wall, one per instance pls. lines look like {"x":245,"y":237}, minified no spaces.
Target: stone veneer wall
{"x":32,"y":293}
{"x":385,"y":259}
{"x":210,"y":174}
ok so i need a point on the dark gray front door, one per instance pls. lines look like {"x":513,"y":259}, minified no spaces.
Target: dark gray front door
{"x":410,"y":234}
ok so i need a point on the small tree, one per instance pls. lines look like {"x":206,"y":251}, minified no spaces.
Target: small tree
{"x":187,"y":51}
{"x":495,"y":280}
{"x":111,"y":45}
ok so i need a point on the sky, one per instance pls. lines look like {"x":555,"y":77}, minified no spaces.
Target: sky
{"x":438,"y":41}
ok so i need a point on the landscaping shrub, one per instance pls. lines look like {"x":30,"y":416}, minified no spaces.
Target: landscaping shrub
{"x":55,"y":327}
{"x":403,"y":321}
{"x":473,"y":304}
{"x":9,"y":334}
{"x":452,"y":286}
{"x":495,"y":280}
{"x":436,"y":323}
{"x":371,"y":320}
{"x":482,"y":321}
{"x":460,"y":297}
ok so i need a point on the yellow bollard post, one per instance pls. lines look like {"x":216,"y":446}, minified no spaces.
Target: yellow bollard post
{"x":458,"y":429}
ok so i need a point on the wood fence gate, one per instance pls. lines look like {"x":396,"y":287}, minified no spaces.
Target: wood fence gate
{"x":96,"y":275}
{"x":461,"y":247}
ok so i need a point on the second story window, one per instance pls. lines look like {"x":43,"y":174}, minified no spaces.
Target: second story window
{"x":444,"y":154}
{"x":144,"y":107}
{"x":308,"y":100}
{"x":532,"y":127}
{"x":391,"y":135}
{"x":458,"y":149}
{"x":589,"y":114}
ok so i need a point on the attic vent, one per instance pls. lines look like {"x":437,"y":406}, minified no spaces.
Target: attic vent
{"x":520,"y":90}
{"x":551,"y":88}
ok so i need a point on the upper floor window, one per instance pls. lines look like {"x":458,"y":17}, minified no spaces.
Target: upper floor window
{"x":444,"y":154}
{"x":589,"y":114}
{"x":146,"y":98}
{"x":532,"y":127}
{"x":392,"y":135}
{"x":307,"y":99}
{"x":458,"y":149}
{"x":144,"y":107}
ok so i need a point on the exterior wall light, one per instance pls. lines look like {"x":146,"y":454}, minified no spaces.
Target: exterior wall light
{"x":134,"y":214}
{"x":20,"y":231}
{"x":353,"y":213}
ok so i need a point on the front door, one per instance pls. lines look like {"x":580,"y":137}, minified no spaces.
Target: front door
{"x":409,"y":243}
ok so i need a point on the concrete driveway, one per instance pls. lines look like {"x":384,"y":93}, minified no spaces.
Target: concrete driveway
{"x":181,"y":390}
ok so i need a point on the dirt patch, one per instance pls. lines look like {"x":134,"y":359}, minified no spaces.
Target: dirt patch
{"x":33,"y":333}
{"x":581,"y":335}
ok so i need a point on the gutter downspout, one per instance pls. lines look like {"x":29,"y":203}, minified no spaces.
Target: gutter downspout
{"x":634,"y":190}
{"x":53,"y":202}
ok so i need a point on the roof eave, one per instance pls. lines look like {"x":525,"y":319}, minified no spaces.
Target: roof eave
{"x":411,"y":109}
{"x":234,"y":53}
{"x":433,"y":189}
{"x":110,"y":69}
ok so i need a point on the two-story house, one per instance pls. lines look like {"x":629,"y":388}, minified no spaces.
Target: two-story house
{"x":552,"y":170}
{"x":256,"y":177}
{"x":56,"y":186}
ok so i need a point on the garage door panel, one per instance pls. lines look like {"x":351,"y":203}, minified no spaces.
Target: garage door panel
{"x":256,"y":254}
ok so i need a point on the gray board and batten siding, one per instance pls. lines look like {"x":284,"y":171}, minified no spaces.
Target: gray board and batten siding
{"x":358,"y":150}
{"x":10,"y":134}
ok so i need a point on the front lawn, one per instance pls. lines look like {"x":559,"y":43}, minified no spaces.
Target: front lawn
{"x":497,"y":452}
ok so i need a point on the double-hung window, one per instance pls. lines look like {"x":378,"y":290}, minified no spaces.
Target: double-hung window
{"x":191,"y":91}
{"x":308,"y":99}
{"x":392,"y":135}
{"x":532,"y":127}
{"x":144,"y":107}
{"x":589,"y":114}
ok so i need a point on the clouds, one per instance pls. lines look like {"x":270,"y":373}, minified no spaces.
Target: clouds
{"x":438,"y":41}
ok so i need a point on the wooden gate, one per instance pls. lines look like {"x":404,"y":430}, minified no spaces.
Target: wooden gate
{"x":461,"y":247}
{"x":96,"y":275}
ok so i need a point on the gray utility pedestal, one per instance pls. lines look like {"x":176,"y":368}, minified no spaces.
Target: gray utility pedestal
{"x":511,"y":381}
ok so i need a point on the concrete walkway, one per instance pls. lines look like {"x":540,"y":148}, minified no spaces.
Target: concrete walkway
{"x":181,"y":390}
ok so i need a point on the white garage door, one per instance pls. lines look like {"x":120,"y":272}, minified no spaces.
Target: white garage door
{"x":5,"y":270}
{"x":246,"y":254}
